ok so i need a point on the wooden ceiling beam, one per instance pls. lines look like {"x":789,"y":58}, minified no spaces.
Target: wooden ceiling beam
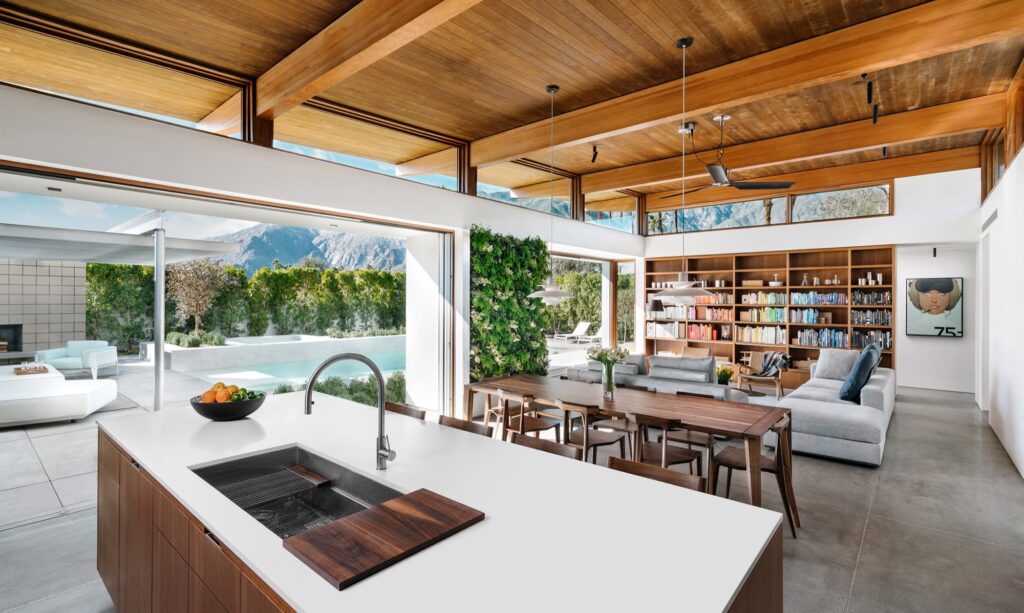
{"x":369,"y":32}
{"x":971,"y":115}
{"x":560,"y":187}
{"x":923,"y":31}
{"x":833,"y":177}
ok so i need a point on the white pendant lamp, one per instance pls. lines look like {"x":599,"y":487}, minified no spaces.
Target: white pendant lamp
{"x":551,"y":293}
{"x":683,"y":291}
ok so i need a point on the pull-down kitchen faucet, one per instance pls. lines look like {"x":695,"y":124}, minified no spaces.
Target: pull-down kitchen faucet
{"x":384,"y":452}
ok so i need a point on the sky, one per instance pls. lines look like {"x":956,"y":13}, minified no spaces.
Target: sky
{"x":52,"y":212}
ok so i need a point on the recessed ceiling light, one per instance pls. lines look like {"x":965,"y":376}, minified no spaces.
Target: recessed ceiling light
{"x":54,"y":189}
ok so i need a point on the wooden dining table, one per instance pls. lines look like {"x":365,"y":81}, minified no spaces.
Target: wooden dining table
{"x":748,"y":422}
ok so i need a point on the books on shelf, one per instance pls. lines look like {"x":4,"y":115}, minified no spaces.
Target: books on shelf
{"x":804,"y":316}
{"x":764,"y":315}
{"x":825,"y":337}
{"x":692,"y":313}
{"x":665,"y":330}
{"x":714,"y":298}
{"x":761,"y":335}
{"x":862,"y":338}
{"x":705,"y":332}
{"x":883,"y":298}
{"x":763,"y":298}
{"x":815,"y":297}
{"x":871,"y":317}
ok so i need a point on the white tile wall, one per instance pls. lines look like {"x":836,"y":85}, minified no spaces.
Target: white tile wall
{"x":46,"y":298}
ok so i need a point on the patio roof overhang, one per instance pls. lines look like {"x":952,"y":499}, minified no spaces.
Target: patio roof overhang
{"x":36,"y":243}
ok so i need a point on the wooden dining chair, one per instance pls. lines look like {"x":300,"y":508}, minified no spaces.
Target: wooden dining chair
{"x":518,"y":414}
{"x":692,"y":438}
{"x":778,"y":464}
{"x":660,"y":453}
{"x":666,"y":475}
{"x":468,"y":426}
{"x":587,"y":438}
{"x":540,"y":444}
{"x":617,"y":424}
{"x":405,"y":409}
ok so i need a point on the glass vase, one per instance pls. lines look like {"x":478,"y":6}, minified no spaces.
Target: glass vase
{"x":608,"y":380}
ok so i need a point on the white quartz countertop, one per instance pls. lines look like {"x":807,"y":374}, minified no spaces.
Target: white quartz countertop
{"x":558,"y":534}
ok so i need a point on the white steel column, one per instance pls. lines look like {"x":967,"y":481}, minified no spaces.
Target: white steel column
{"x":159,"y":299}
{"x":608,"y":332}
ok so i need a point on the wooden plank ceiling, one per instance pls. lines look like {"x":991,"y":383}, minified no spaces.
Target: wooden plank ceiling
{"x":483,"y":71}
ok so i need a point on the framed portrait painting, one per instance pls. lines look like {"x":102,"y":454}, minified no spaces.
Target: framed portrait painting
{"x":935,"y":307}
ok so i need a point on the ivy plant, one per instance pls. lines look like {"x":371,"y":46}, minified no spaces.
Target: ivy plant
{"x":506,"y":327}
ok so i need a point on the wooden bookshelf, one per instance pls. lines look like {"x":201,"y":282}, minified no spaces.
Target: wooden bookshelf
{"x":747,"y":319}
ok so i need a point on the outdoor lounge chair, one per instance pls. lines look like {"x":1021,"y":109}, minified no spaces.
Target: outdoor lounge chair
{"x":590,"y":339}
{"x":575,"y":335}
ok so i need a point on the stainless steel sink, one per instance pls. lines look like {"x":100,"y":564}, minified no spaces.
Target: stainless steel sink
{"x":292,"y":490}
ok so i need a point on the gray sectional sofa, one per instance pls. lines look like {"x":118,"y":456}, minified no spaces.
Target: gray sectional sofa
{"x":825,"y":425}
{"x":665,"y":374}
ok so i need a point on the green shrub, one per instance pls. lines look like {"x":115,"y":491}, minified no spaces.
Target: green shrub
{"x":506,"y":327}
{"x":363,"y":391}
{"x":334,"y":332}
{"x":215,"y":339}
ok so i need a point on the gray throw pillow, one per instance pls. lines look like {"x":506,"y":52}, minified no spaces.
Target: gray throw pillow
{"x":835,"y":364}
{"x":679,"y":374}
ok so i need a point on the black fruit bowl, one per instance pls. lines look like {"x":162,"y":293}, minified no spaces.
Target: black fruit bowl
{"x":227,"y":411}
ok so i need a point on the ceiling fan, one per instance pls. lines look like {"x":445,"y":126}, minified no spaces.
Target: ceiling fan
{"x":718,"y":171}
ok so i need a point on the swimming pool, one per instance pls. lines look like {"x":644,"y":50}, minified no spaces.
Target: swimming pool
{"x":265,"y":377}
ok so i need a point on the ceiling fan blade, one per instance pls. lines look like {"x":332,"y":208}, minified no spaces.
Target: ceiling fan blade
{"x":689,"y":191}
{"x":762,"y":184}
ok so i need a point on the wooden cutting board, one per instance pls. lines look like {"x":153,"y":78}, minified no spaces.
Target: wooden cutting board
{"x":352,"y":548}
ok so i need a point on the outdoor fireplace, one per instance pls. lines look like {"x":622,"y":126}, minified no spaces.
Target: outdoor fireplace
{"x":10,"y":337}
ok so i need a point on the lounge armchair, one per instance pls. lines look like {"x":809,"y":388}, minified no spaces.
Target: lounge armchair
{"x":581,"y":329}
{"x":81,"y":355}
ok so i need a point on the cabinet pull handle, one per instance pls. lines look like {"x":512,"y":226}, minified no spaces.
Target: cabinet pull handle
{"x":134,"y":464}
{"x":212,"y":538}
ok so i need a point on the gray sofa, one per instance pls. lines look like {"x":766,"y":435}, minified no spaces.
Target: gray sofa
{"x":664,"y":374}
{"x":825,"y":425}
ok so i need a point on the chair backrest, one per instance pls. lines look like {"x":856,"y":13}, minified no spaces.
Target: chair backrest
{"x":540,"y":444}
{"x":468,"y":426}
{"x":581,"y":328}
{"x":74,"y":348}
{"x":756,"y":361}
{"x":665,"y":475}
{"x":405,"y":409}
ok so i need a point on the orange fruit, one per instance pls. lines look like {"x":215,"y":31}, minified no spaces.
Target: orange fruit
{"x":217,"y":385}
{"x":232,"y":388}
{"x":223,"y":395}
{"x":209,"y":396}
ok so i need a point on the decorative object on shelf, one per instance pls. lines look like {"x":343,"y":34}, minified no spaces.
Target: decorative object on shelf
{"x":551,"y":293}
{"x":817,"y":281}
{"x":777,"y":283}
{"x":608,"y":357}
{"x":683,"y":290}
{"x":724,"y":374}
{"x":804,"y":281}
{"x":835,"y":279}
{"x":935,"y":307}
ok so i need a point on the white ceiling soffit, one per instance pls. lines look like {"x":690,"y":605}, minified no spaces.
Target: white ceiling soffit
{"x":35,"y":243}
{"x":106,"y":193}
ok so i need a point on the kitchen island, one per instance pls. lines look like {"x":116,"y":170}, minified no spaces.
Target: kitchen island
{"x":558,"y":534}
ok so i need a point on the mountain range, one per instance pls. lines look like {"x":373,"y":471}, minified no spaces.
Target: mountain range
{"x":264,"y":243}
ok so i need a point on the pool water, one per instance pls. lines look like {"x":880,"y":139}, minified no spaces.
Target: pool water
{"x":265,"y":377}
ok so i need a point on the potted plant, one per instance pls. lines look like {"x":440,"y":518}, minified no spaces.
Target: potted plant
{"x":608,"y":357}
{"x":724,"y":375}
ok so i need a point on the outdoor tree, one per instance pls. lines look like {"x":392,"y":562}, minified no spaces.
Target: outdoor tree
{"x":194,"y":286}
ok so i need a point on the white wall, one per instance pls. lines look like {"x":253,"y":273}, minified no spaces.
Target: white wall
{"x":940,"y":207}
{"x":1004,"y":396}
{"x":424,"y":309}
{"x":933,"y":362}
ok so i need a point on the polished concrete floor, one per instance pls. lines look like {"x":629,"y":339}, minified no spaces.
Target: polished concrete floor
{"x":938,"y":527}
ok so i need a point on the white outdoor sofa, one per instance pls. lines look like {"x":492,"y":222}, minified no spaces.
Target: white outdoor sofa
{"x":81,"y":355}
{"x":31,"y":399}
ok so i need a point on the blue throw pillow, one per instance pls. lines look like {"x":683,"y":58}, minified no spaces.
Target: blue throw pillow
{"x":859,"y":375}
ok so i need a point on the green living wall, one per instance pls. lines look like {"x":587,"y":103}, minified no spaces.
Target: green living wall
{"x":506,"y":327}
{"x":297,"y":300}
